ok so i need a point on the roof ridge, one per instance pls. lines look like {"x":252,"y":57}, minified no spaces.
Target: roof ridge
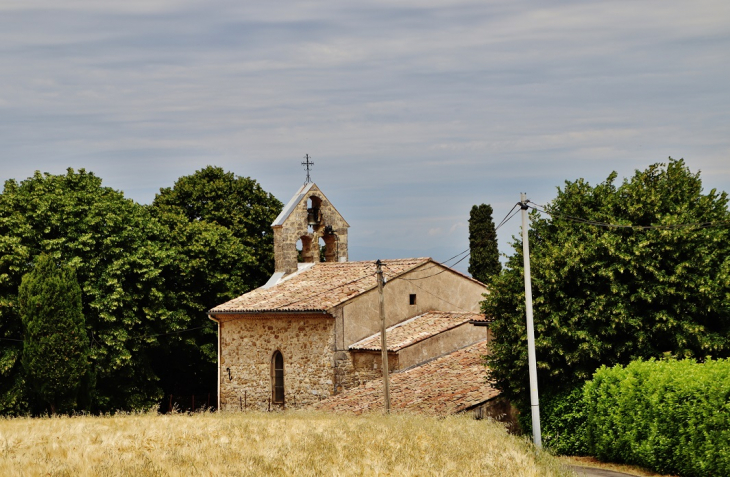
{"x":440,"y":322}
{"x":445,"y":355}
{"x":389,"y":328}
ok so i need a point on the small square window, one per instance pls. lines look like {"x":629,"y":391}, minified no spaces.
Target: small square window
{"x":412,"y":299}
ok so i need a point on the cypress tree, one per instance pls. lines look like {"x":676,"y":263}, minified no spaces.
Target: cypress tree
{"x":484,"y":261}
{"x":55,"y":345}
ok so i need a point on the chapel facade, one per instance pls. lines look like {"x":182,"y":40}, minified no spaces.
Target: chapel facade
{"x":310,"y":337}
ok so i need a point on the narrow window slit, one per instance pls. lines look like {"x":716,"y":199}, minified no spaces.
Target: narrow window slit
{"x":278,"y":377}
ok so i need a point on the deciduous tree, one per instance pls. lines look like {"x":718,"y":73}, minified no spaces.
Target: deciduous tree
{"x":115,"y":248}
{"x":147,"y":275}
{"x":237,"y":203}
{"x":655,"y":281}
{"x":219,"y":229}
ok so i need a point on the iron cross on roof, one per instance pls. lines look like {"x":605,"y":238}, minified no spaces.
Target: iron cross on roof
{"x":307,"y":165}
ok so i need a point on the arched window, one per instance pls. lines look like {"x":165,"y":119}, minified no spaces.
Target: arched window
{"x":277,"y":377}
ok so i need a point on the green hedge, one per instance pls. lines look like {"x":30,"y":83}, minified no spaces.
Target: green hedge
{"x":562,"y":421}
{"x":669,"y":416}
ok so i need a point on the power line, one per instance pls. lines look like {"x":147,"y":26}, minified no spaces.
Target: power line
{"x":362,"y":278}
{"x":444,"y":262}
{"x":436,"y":296}
{"x":450,"y":259}
{"x":437,"y":273}
{"x":506,"y":219}
{"x":510,"y":218}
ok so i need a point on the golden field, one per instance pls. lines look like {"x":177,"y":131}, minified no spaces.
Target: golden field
{"x":281,"y":444}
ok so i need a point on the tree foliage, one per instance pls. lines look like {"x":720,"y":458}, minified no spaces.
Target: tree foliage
{"x":237,"y":203}
{"x":484,"y":261}
{"x":609,"y":295}
{"x":147,"y":275}
{"x":55,"y":345}
{"x":220,"y":233}
{"x":114,"y":246}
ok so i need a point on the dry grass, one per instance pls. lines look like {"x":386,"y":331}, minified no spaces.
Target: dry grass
{"x":291,"y":443}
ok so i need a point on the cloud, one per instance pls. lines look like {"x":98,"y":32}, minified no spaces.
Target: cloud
{"x":411,"y":110}
{"x":457,"y":226}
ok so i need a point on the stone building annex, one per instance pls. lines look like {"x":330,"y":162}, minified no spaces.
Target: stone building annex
{"x":310,"y":336}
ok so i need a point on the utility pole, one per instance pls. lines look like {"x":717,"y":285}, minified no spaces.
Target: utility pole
{"x":383,"y":340}
{"x":532,"y":361}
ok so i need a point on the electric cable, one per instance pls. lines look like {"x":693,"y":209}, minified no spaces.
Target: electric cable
{"x":444,"y":262}
{"x":506,"y":219}
{"x":438,"y":297}
{"x":510,"y":218}
{"x":437,"y":273}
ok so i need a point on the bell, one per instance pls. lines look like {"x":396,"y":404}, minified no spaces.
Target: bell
{"x":313,"y":216}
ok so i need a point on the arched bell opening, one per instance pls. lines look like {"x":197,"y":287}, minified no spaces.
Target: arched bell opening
{"x":321,"y":249}
{"x":314,"y":211}
{"x":329,"y":248}
{"x":304,"y":250}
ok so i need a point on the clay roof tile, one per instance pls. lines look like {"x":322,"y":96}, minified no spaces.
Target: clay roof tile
{"x":447,"y":385}
{"x":317,"y":288}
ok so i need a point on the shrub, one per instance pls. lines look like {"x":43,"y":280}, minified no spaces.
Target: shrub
{"x":669,"y":416}
{"x":563,"y":421}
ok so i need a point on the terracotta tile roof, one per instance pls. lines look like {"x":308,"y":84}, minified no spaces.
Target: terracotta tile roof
{"x":318,"y":288}
{"x":417,"y":329}
{"x":446,"y":385}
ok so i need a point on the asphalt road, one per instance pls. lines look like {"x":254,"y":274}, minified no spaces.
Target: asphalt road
{"x":593,"y":472}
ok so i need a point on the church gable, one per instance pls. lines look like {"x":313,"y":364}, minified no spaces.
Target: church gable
{"x":311,"y":221}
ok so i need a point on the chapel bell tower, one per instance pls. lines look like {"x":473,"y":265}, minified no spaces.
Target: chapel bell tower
{"x":310,"y":221}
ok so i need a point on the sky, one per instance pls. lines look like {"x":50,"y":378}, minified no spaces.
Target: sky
{"x":412,"y":111}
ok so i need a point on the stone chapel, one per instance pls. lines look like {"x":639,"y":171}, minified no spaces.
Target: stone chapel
{"x":310,"y":337}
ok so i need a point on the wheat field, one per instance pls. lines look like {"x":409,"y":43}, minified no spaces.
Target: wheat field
{"x":277,"y":444}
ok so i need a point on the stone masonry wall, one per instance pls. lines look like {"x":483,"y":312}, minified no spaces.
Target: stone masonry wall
{"x":353,"y":369}
{"x":248,"y":343}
